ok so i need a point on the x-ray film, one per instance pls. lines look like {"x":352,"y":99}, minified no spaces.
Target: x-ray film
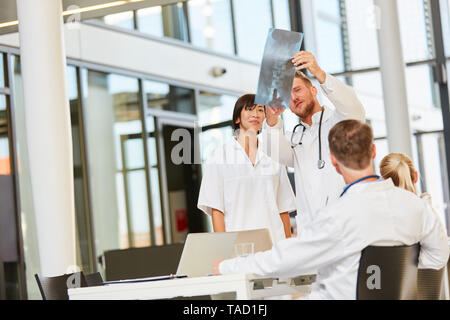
{"x":277,"y":71}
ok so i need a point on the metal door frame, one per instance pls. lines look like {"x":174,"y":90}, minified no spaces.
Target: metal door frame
{"x":163,"y":118}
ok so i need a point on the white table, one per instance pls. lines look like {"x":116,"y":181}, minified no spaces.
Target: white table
{"x":242,"y":285}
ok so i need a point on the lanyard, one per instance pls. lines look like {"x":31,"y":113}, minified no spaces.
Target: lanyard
{"x":357,"y":181}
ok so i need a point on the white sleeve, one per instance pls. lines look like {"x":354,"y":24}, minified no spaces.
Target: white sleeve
{"x":285,"y":196}
{"x":211,"y":195}
{"x":294,"y":256}
{"x":434,"y":246}
{"x":276,"y":145}
{"x":343,"y":98}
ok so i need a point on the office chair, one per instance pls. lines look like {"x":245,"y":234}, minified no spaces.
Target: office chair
{"x":145,"y":262}
{"x":93,"y":279}
{"x":55,"y":288}
{"x":396,"y":269}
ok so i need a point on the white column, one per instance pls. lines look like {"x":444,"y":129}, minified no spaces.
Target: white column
{"x":48,"y":127}
{"x":392,"y":68}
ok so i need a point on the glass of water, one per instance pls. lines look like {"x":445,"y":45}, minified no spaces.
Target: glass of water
{"x":244,"y":249}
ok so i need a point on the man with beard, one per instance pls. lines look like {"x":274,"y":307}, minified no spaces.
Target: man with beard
{"x":305,"y":148}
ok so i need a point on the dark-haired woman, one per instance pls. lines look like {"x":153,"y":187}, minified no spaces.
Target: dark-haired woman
{"x":242,"y":188}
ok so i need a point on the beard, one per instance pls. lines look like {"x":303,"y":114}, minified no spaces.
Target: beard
{"x":306,"y":111}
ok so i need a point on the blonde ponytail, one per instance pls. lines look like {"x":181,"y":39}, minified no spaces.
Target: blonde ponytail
{"x":400,"y":169}
{"x":404,"y":177}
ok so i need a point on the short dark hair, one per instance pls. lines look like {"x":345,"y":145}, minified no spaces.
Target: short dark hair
{"x":246,"y":101}
{"x":351,"y":143}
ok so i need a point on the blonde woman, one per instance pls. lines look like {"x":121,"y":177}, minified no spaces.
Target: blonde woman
{"x":400,"y":169}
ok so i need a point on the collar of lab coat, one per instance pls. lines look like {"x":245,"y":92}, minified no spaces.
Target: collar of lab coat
{"x":259,"y":153}
{"x":372,"y":186}
{"x":316,"y":116}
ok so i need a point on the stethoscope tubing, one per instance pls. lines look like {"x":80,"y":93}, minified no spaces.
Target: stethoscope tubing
{"x":321,"y":162}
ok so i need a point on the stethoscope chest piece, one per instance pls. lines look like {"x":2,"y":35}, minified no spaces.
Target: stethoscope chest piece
{"x":321,"y":164}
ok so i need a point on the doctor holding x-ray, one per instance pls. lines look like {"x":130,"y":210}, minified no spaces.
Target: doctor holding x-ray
{"x":305,"y":148}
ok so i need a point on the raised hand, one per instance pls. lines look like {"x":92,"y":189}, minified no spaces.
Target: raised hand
{"x":306,"y":60}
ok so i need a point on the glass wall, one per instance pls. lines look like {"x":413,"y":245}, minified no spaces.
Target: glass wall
{"x":210,"y":25}
{"x":165,"y":97}
{"x":122,"y":19}
{"x":329,"y":36}
{"x":2,"y":70}
{"x":168,"y":21}
{"x":224,"y":26}
{"x":115,"y":159}
{"x":213,"y":109}
{"x":150,"y":21}
{"x":445,"y":17}
{"x":155,"y":191}
{"x":5,"y":168}
{"x":347,"y":28}
{"x":362,"y":34}
{"x":29,"y":236}
{"x":252,"y":22}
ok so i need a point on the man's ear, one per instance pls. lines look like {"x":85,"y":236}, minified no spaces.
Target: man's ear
{"x":416,"y":177}
{"x":374,"y":151}
{"x":314,"y":91}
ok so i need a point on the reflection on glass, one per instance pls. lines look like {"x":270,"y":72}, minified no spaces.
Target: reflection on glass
{"x":5,"y":168}
{"x":150,"y":21}
{"x":414,"y":30}
{"x":421,"y":101}
{"x":2,"y":102}
{"x":329,"y":36}
{"x":121,"y":19}
{"x":28,"y":223}
{"x":362,"y":34}
{"x":83,"y":240}
{"x":210,"y":24}
{"x":115,"y":161}
{"x":2,"y":71}
{"x":162,"y":96}
{"x":382,"y":151}
{"x":252,"y":19}
{"x":368,"y":87}
{"x":433,"y":169}
{"x":168,"y":21}
{"x":154,"y":181}
{"x":281,"y":14}
{"x":445,"y":18}
{"x":213,"y":108}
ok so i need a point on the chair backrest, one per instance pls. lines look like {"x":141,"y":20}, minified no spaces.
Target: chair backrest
{"x":55,"y":288}
{"x":142,"y":262}
{"x":93,"y":279}
{"x":388,"y":273}
{"x":430,"y":284}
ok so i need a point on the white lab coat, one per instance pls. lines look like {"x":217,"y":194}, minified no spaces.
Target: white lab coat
{"x":315,"y":188}
{"x":371,"y":213}
{"x":251,"y":197}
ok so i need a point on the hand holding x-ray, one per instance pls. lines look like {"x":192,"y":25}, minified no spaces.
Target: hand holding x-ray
{"x":277,"y":68}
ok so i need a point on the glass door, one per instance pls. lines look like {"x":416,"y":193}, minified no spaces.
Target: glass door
{"x":180,"y":172}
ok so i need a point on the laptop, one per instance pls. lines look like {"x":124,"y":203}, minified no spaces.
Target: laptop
{"x":201,"y":250}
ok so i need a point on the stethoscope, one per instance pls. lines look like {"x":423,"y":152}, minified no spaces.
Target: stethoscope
{"x":321,"y":162}
{"x":358,"y":181}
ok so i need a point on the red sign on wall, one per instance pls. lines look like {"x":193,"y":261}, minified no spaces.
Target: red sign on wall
{"x":181,"y":218}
